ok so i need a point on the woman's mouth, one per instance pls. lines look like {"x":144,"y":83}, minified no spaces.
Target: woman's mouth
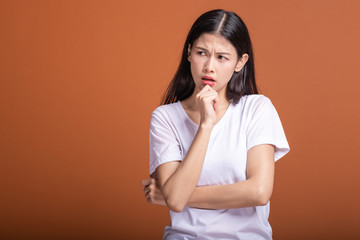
{"x":208,"y":80}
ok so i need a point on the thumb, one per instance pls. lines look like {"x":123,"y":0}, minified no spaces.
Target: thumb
{"x":215,"y":105}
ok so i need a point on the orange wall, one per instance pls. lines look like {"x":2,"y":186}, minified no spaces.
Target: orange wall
{"x":79,"y":80}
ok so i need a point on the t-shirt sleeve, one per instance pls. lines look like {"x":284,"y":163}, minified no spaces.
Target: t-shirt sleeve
{"x":265,"y":128}
{"x":164,"y":146}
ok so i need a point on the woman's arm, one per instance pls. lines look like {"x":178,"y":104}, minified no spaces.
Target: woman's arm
{"x":177,"y":180}
{"x":254,"y":191}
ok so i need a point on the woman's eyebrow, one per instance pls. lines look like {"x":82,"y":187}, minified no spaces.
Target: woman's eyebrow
{"x":201,"y":48}
{"x":221,"y":53}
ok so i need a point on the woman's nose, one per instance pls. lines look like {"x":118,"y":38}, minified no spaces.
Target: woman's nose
{"x":209,"y":65}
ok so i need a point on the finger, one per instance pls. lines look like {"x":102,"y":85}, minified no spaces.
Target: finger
{"x":209,"y":97}
{"x":148,"y":198}
{"x":148,"y":194}
{"x":202,"y":94}
{"x":147,"y":189}
{"x":205,"y":89}
{"x":215,"y":106}
{"x":145,"y":182}
{"x":216,"y":100}
{"x":211,"y":93}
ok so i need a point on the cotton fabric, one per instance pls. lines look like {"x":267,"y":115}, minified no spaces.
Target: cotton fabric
{"x":251,"y":122}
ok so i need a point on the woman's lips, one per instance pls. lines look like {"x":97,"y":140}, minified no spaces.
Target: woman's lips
{"x":208,"y":80}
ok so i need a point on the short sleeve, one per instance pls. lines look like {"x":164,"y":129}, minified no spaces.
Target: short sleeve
{"x":265,"y":128}
{"x":164,"y":146}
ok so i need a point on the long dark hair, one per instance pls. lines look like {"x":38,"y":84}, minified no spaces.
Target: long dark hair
{"x":231,"y":27}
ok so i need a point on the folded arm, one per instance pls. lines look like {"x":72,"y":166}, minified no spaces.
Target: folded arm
{"x":256,"y":190}
{"x":177,"y":180}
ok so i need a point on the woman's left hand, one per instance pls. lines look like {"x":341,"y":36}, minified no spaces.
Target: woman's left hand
{"x":152,"y":191}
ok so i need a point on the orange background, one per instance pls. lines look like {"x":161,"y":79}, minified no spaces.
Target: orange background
{"x":79,"y":80}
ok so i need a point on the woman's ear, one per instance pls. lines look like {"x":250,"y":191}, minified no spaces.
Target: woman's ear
{"x":189,"y":51}
{"x":241,"y":62}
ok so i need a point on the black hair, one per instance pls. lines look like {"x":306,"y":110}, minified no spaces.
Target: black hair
{"x":230,"y":26}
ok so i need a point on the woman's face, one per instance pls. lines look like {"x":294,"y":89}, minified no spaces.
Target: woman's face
{"x":213,"y":60}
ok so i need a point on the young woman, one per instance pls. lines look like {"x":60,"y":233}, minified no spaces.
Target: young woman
{"x":214,"y":142}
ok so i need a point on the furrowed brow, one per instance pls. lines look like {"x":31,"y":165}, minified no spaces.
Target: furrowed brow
{"x":223,"y":53}
{"x":220,"y":53}
{"x":203,"y":49}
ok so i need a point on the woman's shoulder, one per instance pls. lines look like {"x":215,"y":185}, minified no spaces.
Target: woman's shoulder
{"x":166,"y":110}
{"x":254,"y":100}
{"x":253,"y":104}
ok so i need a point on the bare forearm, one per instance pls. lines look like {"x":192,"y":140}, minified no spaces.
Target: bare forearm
{"x":254,"y":191}
{"x":238,"y":195}
{"x":179,"y":187}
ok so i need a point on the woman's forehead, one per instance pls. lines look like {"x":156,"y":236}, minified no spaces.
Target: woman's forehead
{"x":214,"y":41}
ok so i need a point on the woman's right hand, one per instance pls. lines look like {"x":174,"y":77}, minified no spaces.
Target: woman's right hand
{"x":207,"y":100}
{"x":152,"y":191}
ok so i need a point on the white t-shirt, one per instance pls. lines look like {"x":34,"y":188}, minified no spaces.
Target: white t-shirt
{"x":251,"y":122}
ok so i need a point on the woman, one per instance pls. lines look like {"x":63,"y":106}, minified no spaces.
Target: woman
{"x":214,"y":142}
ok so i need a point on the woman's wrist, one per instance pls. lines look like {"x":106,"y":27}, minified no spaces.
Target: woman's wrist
{"x":206,"y":126}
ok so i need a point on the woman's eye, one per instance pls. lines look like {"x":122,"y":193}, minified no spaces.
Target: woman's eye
{"x":201,"y":53}
{"x":222,"y":58}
